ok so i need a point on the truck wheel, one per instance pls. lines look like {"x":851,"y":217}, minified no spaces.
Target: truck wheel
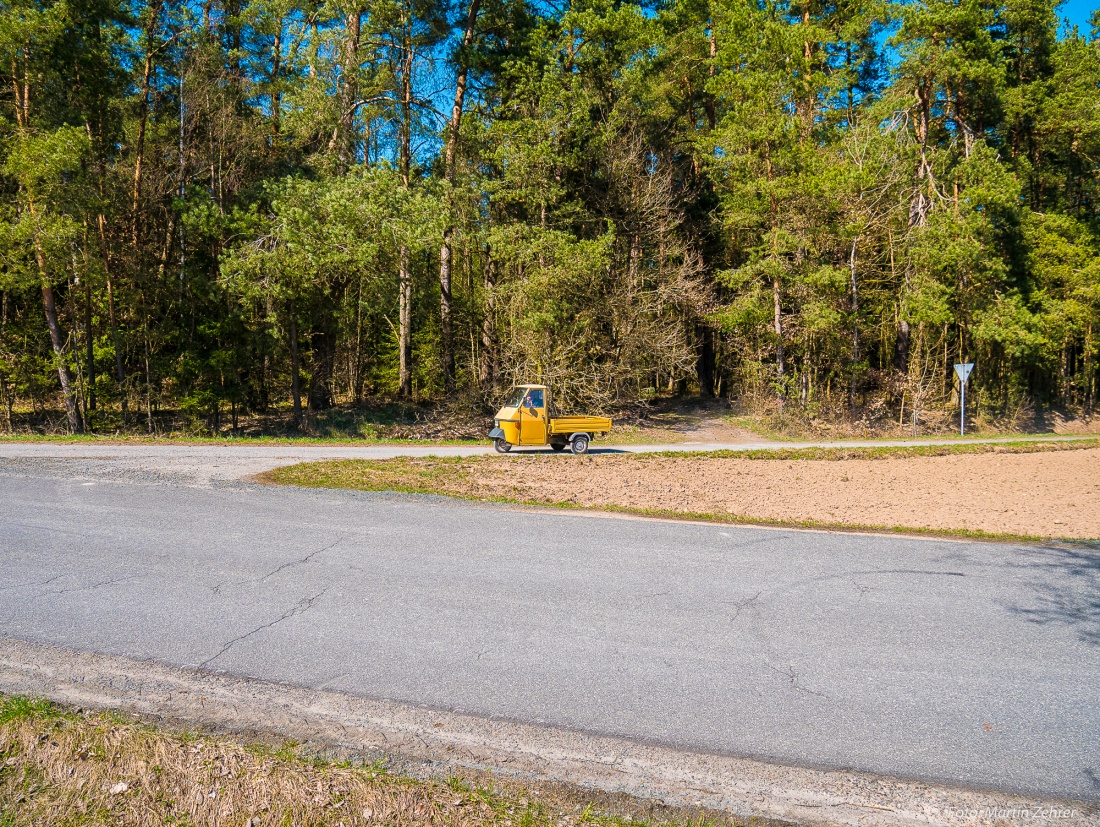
{"x":502,"y":446}
{"x":579,"y":444}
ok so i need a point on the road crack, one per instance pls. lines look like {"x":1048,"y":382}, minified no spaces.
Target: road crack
{"x":30,"y":585}
{"x":792,"y":676}
{"x":742,"y":605}
{"x":303,"y":605}
{"x":485,"y":652}
{"x":102,"y":583}
{"x":305,"y":559}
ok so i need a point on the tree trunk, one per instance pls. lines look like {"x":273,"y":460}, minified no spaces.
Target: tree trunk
{"x":1090,"y":372}
{"x":778,"y":327}
{"x":708,"y":97}
{"x":404,"y":274}
{"x":276,"y":93}
{"x":704,"y":363}
{"x":342,"y":135}
{"x":89,"y":345}
{"x":120,"y":375}
{"x":143,"y":118}
{"x":357,"y":374}
{"x":773,"y":210}
{"x":148,"y":381}
{"x":295,"y":382}
{"x":488,"y":369}
{"x":807,"y":103}
{"x":7,"y":398}
{"x":446,"y":322}
{"x":449,"y":155}
{"x":404,"y":333}
{"x":264,"y":395}
{"x":918,"y":212}
{"x":855,"y":324}
{"x":323,"y":357}
{"x":72,"y":410}
{"x":920,"y":205}
{"x":901,"y":348}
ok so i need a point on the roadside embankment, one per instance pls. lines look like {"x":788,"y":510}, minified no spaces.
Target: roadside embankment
{"x":61,"y":766}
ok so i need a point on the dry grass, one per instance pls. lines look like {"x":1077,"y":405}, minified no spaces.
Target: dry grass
{"x":72,"y":768}
{"x":838,"y":453}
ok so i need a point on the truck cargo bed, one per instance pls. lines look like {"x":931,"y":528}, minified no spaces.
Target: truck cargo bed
{"x":580,"y":424}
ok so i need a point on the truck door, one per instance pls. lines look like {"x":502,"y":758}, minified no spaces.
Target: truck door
{"x":532,"y":418}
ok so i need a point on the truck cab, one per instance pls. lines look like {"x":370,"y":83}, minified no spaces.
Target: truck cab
{"x":525,"y":419}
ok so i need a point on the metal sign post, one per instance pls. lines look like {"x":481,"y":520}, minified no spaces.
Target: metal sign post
{"x":964,"y":373}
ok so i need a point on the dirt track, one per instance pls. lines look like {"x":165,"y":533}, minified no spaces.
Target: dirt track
{"x":1050,"y":494}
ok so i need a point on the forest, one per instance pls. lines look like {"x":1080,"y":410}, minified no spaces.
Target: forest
{"x":225,"y":208}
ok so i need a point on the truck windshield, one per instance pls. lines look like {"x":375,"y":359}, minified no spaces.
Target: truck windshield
{"x":517,"y":398}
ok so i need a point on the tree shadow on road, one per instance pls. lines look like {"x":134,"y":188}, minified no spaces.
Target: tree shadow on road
{"x":1064,"y":588}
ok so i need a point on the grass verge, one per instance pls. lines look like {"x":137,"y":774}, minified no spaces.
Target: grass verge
{"x":478,"y":478}
{"x":836,"y":453}
{"x":60,"y":766}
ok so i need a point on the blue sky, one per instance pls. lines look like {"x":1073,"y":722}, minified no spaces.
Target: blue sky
{"x":1078,"y":12}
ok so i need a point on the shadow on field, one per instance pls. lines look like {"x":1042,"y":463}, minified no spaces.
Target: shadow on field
{"x":541,"y":451}
{"x":1064,"y":588}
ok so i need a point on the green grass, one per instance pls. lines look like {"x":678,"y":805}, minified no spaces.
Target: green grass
{"x":403,"y":475}
{"x":823,"y":525}
{"x":837,"y":453}
{"x":17,"y":708}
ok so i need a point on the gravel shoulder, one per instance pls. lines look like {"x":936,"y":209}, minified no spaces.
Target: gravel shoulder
{"x":1034,"y":490}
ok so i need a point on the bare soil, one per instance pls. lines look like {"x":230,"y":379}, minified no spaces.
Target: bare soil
{"x":1047,"y":491}
{"x":1054,"y":494}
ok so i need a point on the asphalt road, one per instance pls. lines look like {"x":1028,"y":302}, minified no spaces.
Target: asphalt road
{"x":969,"y":663}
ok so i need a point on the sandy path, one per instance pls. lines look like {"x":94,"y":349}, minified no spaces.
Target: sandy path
{"x":1053,"y":494}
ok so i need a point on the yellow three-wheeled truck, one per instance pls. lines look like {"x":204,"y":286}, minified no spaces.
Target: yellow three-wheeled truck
{"x":526,"y":420}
